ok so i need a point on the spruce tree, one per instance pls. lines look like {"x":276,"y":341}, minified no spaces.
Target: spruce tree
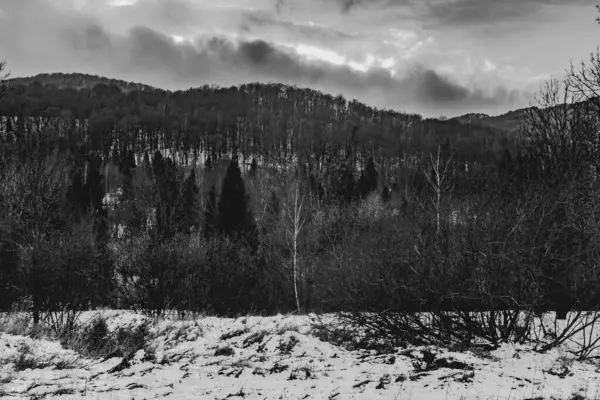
{"x":158,"y":164}
{"x":146,"y":162}
{"x":77,"y":201}
{"x":234,"y":215}
{"x":362,"y":186}
{"x":208,"y":164}
{"x":253,"y":168}
{"x":371,"y":176}
{"x":385,"y":194}
{"x":167,"y":183}
{"x":186,"y":207}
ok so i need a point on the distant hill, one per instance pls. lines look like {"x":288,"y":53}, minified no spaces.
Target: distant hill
{"x":464,"y":119}
{"x":473,"y":124}
{"x":510,"y":122}
{"x":80,"y":81}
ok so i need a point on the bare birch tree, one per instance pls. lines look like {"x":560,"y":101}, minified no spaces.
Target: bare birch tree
{"x":439,"y":179}
{"x":294,"y":219}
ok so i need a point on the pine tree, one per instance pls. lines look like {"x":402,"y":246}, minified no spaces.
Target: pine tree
{"x":130,"y":213}
{"x":234,"y":216}
{"x":385,"y":194}
{"x":167,"y":180}
{"x":158,"y":164}
{"x":371,"y":175}
{"x":187,"y":205}
{"x":208,"y":164}
{"x":253,"y":168}
{"x":130,"y":159}
{"x":146,"y":162}
{"x":77,"y":200}
{"x":210,"y":213}
{"x":362,"y":186}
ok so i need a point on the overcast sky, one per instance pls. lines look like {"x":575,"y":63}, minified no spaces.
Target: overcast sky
{"x":428,"y":56}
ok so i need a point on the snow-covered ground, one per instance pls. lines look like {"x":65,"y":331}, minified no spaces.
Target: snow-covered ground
{"x":279,"y":358}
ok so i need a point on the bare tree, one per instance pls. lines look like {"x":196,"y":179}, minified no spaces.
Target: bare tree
{"x":439,"y":179}
{"x":3,"y":79}
{"x":562,"y":128}
{"x":294,"y":220}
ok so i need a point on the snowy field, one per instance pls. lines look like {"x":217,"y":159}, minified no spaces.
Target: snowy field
{"x":281,"y":358}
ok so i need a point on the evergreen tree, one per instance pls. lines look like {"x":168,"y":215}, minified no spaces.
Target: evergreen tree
{"x":186,"y":207}
{"x":362,"y":186}
{"x":77,"y":200}
{"x":146,"y":162}
{"x":208,"y":164}
{"x":130,"y":159}
{"x":371,"y":176}
{"x":167,"y":180}
{"x":234,"y":215}
{"x":253,"y":168}
{"x":385,"y":194}
{"x":210,"y":213}
{"x":158,"y":164}
{"x":130,"y":214}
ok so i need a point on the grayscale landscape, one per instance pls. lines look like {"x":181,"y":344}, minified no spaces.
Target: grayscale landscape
{"x":299,"y":199}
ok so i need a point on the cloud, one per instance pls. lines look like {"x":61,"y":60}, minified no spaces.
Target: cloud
{"x":262,"y":22}
{"x":451,"y":12}
{"x":52,"y":39}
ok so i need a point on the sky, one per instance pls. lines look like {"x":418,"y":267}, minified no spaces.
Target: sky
{"x":432,"y":57}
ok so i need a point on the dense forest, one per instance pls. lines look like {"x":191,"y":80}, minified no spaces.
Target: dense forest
{"x":266,"y":198}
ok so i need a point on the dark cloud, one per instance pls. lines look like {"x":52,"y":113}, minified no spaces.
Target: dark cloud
{"x":79,"y":43}
{"x":457,"y":12}
{"x":311,"y":32}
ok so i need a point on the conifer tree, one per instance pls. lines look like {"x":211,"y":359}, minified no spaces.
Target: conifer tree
{"x":130,"y":159}
{"x":371,"y":175}
{"x":385,"y":194}
{"x":253,"y":168}
{"x":167,"y":180}
{"x":77,"y":200}
{"x":187,"y":206}
{"x":146,"y":162}
{"x":208,"y":164}
{"x":130,"y":214}
{"x":234,"y":215}
{"x":362,"y":186}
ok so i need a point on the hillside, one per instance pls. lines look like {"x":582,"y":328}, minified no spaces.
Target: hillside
{"x":263,"y":110}
{"x":79,"y":81}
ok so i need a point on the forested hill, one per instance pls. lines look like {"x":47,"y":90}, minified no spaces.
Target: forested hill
{"x":510,"y":121}
{"x":254,"y":114}
{"x":79,"y":81}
